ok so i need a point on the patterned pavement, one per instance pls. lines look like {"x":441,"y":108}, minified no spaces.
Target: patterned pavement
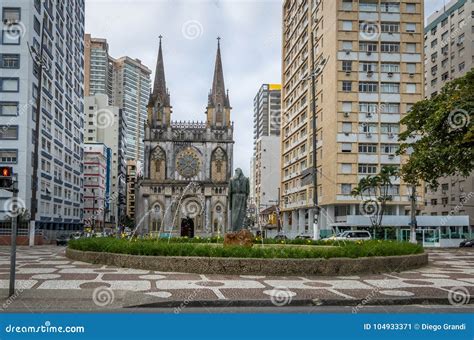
{"x":449,"y":275}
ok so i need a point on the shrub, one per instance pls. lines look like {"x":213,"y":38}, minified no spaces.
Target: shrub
{"x":175,"y":247}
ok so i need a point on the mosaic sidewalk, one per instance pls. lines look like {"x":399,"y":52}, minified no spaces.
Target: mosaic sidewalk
{"x":45,"y":270}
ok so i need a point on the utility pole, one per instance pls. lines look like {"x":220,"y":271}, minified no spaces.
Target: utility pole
{"x":316,"y":71}
{"x":93,"y":210}
{"x":413,"y":223}
{"x":40,"y":64}
{"x":15,"y":216}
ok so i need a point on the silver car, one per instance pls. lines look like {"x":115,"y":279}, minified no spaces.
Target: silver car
{"x":354,"y":235}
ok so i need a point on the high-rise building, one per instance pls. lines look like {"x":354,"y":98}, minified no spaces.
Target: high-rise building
{"x":130,"y":91}
{"x":265,"y":163}
{"x":449,"y":54}
{"x":371,"y":77}
{"x":97,"y":185}
{"x":126,"y":82}
{"x":54,"y":31}
{"x":105,"y":124}
{"x":97,"y":67}
{"x":267,"y":112}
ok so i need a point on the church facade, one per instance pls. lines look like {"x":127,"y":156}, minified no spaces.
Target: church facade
{"x":187,"y":167}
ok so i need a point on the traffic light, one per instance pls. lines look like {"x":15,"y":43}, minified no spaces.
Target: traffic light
{"x":6,"y":177}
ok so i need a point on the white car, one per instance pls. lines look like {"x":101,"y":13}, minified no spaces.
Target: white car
{"x":354,"y":235}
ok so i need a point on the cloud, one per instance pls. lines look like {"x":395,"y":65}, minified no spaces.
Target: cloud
{"x":251,"y":51}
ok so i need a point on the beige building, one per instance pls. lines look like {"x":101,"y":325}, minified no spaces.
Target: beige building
{"x":105,"y":124}
{"x":373,"y":75}
{"x":449,"y":37}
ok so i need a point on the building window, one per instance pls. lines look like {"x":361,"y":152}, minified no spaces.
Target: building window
{"x":411,"y":48}
{"x":8,"y":108}
{"x":9,"y":60}
{"x":11,"y":15}
{"x":411,"y":8}
{"x":346,"y":86}
{"x":390,"y":88}
{"x":346,"y":147}
{"x":390,"y":68}
{"x":367,"y":47}
{"x":9,"y":132}
{"x":9,"y":85}
{"x":367,"y":168}
{"x":389,"y":27}
{"x":347,"y":65}
{"x":346,"y":189}
{"x":347,"y":25}
{"x":368,"y":87}
{"x":410,"y":27}
{"x":411,"y":68}
{"x":368,"y":148}
{"x":347,"y":127}
{"x":411,"y":88}
{"x":8,"y":156}
{"x":390,"y":47}
{"x":346,"y":168}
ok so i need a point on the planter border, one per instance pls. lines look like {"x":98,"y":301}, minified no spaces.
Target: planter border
{"x":254,"y":266}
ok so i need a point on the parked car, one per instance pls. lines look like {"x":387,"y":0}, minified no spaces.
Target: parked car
{"x":303,"y":237}
{"x":466,"y":243}
{"x":354,"y":235}
{"x":62,"y":240}
{"x":76,"y":236}
{"x":333,"y":237}
{"x":280,"y":237}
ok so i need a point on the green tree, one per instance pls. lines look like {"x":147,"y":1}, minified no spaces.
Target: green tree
{"x":375,"y":191}
{"x":439,"y":134}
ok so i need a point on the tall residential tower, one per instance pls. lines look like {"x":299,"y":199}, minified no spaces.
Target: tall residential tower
{"x":372,"y":76}
{"x":54,"y":30}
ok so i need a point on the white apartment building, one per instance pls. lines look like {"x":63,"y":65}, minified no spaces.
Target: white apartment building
{"x":105,"y":124}
{"x":60,"y":25}
{"x":449,"y":54}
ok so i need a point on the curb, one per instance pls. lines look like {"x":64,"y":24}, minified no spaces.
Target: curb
{"x":338,"y":266}
{"x":360,"y":303}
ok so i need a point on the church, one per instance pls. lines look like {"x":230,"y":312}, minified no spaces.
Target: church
{"x":187,"y":166}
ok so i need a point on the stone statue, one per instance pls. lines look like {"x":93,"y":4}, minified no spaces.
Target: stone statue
{"x":239,"y":190}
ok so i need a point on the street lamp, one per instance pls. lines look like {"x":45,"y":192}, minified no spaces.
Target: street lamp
{"x":39,"y":62}
{"x":317,"y":70}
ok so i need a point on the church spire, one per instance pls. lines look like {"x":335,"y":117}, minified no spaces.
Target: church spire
{"x":160,"y":91}
{"x":218,"y":93}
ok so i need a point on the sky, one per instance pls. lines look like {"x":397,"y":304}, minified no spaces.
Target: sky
{"x":250,"y":46}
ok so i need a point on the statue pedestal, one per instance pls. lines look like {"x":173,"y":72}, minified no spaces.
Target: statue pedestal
{"x":243,"y":238}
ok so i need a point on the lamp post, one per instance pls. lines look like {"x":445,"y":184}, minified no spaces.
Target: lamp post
{"x":93,"y":209}
{"x":317,"y":70}
{"x":40,"y":64}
